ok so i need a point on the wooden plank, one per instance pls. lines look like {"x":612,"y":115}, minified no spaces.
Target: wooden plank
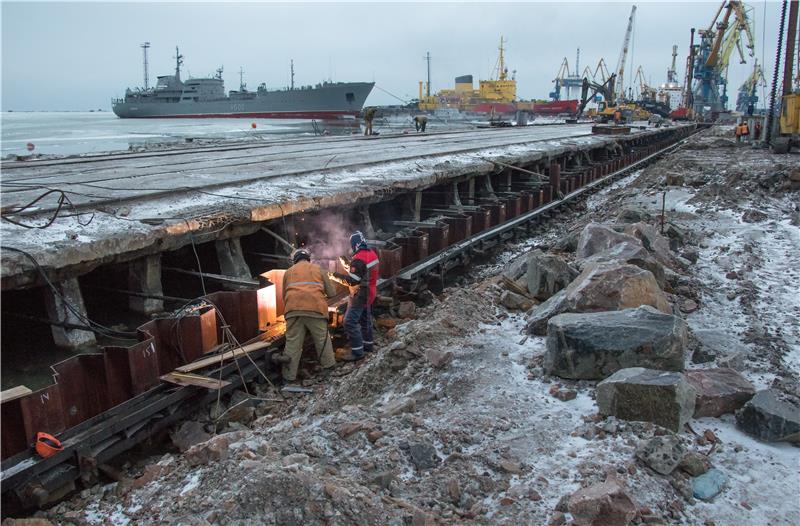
{"x":219,"y":358}
{"x":184,"y":379}
{"x":14,"y":393}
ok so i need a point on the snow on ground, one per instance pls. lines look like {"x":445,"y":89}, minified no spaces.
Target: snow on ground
{"x":481,"y":440}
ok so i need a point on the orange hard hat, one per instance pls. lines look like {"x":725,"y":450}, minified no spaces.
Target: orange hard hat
{"x":47,"y":445}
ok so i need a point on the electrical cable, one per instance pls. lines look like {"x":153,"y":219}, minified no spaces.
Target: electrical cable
{"x":95,"y":327}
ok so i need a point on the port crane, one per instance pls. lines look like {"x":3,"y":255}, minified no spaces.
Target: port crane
{"x":717,"y":43}
{"x":623,"y":57}
{"x":747,"y":98}
{"x":568,"y":79}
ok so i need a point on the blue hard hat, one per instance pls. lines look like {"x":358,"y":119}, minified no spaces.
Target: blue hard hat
{"x":357,"y":240}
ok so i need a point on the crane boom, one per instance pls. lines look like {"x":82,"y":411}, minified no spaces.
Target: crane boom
{"x":623,"y":56}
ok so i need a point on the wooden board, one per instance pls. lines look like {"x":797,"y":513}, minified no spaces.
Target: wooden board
{"x":194,"y":379}
{"x":14,"y":393}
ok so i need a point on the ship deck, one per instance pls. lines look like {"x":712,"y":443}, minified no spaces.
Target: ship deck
{"x":126,"y":205}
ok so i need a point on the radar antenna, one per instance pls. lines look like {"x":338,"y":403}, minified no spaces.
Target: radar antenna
{"x":178,"y":63}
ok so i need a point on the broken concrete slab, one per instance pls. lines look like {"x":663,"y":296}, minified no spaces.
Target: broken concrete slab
{"x":604,"y":287}
{"x":662,"y":453}
{"x":719,"y":391}
{"x":593,"y":346}
{"x":771,"y":415}
{"x":648,"y":395}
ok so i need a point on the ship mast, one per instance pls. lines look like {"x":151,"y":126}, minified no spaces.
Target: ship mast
{"x":178,"y":63}
{"x":291,"y":69}
{"x":145,"y":47}
{"x":428,"y":88}
{"x":501,"y":63}
{"x":242,"y":86}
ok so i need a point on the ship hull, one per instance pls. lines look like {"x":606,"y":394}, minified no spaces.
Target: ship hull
{"x":324,"y":102}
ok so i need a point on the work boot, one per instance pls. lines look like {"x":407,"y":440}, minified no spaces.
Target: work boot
{"x":350,"y":357}
{"x":280,"y":358}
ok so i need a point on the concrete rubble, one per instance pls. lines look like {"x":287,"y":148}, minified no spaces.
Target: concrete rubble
{"x":458,"y":419}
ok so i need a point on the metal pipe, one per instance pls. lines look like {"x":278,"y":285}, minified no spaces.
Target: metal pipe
{"x":771,"y":112}
{"x":791,"y":36}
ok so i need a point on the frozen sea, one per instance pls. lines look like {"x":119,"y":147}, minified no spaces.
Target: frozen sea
{"x":71,"y":133}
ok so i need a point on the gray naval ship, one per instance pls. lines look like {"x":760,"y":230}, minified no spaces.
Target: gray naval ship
{"x":206,"y":98}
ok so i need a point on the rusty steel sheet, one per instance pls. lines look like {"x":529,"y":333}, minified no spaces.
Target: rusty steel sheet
{"x":481,"y":219}
{"x":42,"y":410}
{"x":438,"y":236}
{"x":525,"y":201}
{"x":497,"y":213}
{"x":547,"y":195}
{"x":460,"y":227}
{"x":415,"y":246}
{"x":390,"y":256}
{"x":83,"y":387}
{"x":12,"y":440}
{"x":240,"y":310}
{"x":131,"y":370}
{"x":513,"y":206}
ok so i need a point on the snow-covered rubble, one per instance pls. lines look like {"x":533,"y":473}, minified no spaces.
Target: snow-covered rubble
{"x":410,"y":438}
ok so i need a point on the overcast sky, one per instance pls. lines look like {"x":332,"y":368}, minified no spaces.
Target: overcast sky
{"x":75,"y":56}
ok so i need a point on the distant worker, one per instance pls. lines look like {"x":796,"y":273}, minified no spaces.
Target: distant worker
{"x":737,"y":131}
{"x":745,"y":131}
{"x":362,"y":279}
{"x":420,"y":122}
{"x":757,"y":131}
{"x":369,"y":115}
{"x":618,"y":117}
{"x":305,"y":287}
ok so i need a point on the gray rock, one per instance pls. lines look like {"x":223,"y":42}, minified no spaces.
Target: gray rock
{"x":709,"y":484}
{"x":771,"y":415}
{"x":632,"y":253}
{"x":516,"y":268}
{"x":661,"y":453}
{"x":595,"y":238}
{"x":513,"y":301}
{"x":653,"y":241}
{"x":604,"y":287}
{"x":664,"y":398}
{"x":593,"y":346}
{"x":632,"y":215}
{"x":602,"y":504}
{"x":568,"y":243}
{"x":547,"y":274}
{"x":383,"y":479}
{"x":423,"y":455}
{"x":719,"y":391}
{"x":406,"y":309}
{"x":188,"y":434}
{"x":694,"y":463}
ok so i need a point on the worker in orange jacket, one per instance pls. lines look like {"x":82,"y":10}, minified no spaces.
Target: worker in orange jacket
{"x":305,"y":288}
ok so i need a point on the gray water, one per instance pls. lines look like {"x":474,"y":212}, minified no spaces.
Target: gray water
{"x":71,"y":133}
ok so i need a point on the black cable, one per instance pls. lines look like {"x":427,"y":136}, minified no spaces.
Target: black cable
{"x":95,"y":327}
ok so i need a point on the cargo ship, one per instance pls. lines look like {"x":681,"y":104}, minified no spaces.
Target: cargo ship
{"x":206,"y":98}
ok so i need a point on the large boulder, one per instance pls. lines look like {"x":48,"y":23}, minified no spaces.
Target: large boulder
{"x":664,"y":398}
{"x":592,"y":346}
{"x":595,"y":238}
{"x":627,"y":252}
{"x":604,"y":504}
{"x":547,"y":274}
{"x":771,"y":415}
{"x":604,"y":287}
{"x":653,"y":241}
{"x":719,"y":391}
